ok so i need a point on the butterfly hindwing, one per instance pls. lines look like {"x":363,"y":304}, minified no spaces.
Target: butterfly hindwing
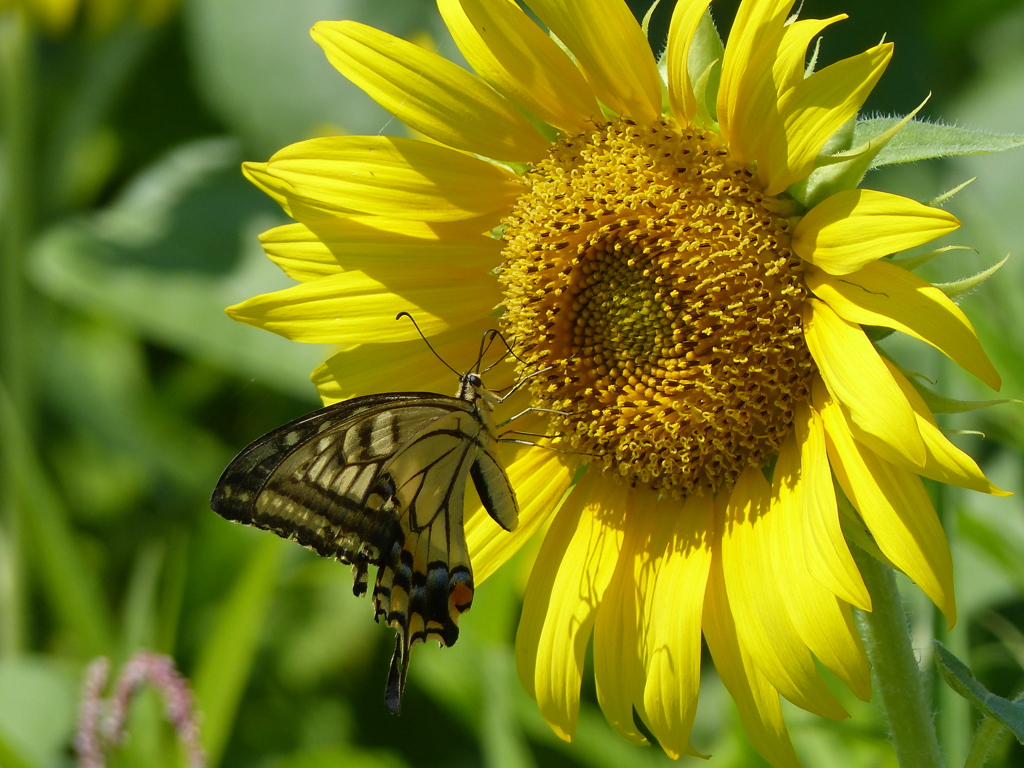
{"x":428,"y":584}
{"x":380,"y":480}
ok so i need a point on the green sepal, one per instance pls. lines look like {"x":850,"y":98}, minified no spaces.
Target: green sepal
{"x":877,"y":332}
{"x":959,"y":677}
{"x":645,"y":25}
{"x":964,"y":432}
{"x":958,"y":288}
{"x":913,"y":262}
{"x":706,"y":85}
{"x":812,"y":61}
{"x":938,"y":202}
{"x":921,"y":140}
{"x":844,"y":160}
{"x":855,"y":530}
{"x":706,"y":47}
{"x":706,"y":52}
{"x":938,"y":404}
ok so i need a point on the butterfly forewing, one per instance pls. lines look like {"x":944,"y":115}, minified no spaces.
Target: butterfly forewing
{"x":310,"y":480}
{"x":380,"y":480}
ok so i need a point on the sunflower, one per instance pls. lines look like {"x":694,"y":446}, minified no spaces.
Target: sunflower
{"x":689,"y":274}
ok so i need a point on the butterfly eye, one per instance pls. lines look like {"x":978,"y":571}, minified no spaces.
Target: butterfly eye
{"x":475,"y":380}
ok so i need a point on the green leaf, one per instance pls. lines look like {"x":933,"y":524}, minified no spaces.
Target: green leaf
{"x":501,"y":738}
{"x":72,"y":588}
{"x":920,"y":140}
{"x":10,"y":757}
{"x":1000,"y":543}
{"x":170,"y":254}
{"x":226,"y":659}
{"x":959,"y":677}
{"x":270,"y":83}
{"x":138,"y":618}
{"x":126,"y":435}
{"x":348,"y":756}
{"x":37,"y":711}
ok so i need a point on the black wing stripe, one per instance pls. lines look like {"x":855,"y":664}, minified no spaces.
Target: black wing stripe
{"x":247,"y":474}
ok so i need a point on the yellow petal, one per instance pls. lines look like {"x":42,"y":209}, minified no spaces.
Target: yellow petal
{"x":429,"y":93}
{"x":823,"y":622}
{"x":612,"y":52}
{"x":680,"y":548}
{"x":896,"y":508}
{"x":356,"y":308}
{"x":384,"y":176}
{"x":827,"y":553}
{"x":520,"y":61}
{"x":540,"y":478}
{"x":769,"y":143}
{"x":763,"y":626}
{"x":815,"y":109}
{"x":885,"y":294}
{"x":790,"y":65}
{"x":856,"y":376}
{"x":755,"y":697}
{"x":259,"y":174}
{"x":402,"y":365}
{"x":748,"y":111}
{"x":685,"y":18}
{"x":321,"y":248}
{"x":856,"y":226}
{"x":944,"y":461}
{"x":568,"y":582}
{"x":619,"y":632}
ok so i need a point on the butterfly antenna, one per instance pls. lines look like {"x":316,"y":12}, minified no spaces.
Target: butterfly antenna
{"x":485,"y":347}
{"x":429,"y":346}
{"x":499,"y":335}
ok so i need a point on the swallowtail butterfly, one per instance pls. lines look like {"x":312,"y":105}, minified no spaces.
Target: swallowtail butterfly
{"x":380,"y":480}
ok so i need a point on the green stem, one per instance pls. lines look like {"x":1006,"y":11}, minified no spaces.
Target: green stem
{"x":17,"y":221}
{"x":952,"y":711}
{"x":894,"y":668}
{"x":985,"y":739}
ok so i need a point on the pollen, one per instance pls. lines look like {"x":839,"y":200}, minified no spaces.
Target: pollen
{"x":651,"y":282}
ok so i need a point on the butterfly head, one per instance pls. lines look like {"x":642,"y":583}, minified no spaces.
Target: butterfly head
{"x":472,"y":389}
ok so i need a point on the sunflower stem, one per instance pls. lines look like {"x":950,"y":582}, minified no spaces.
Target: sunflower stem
{"x":897,"y":678}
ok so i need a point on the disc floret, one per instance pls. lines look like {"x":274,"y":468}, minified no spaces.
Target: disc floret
{"x":655,"y":279}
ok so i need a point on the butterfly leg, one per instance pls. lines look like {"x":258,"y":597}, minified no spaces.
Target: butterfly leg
{"x":530,"y":410}
{"x":516,"y":387}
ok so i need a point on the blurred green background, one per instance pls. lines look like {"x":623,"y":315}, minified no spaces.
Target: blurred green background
{"x":126,"y":390}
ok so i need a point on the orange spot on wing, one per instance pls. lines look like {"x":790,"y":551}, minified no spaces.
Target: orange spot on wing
{"x":460,"y":600}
